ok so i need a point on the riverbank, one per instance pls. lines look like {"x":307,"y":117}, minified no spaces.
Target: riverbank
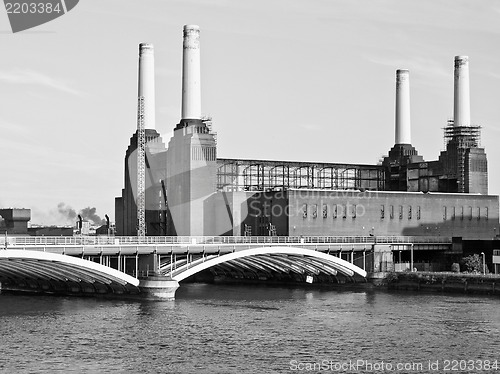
{"x":442,"y":282}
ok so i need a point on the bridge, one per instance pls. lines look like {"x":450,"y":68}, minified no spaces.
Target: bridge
{"x":155,"y":265}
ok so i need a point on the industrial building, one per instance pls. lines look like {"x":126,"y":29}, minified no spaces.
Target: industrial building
{"x":190,"y":191}
{"x":14,"y":221}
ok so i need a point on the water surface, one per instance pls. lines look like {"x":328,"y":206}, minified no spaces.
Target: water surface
{"x":248,"y":329}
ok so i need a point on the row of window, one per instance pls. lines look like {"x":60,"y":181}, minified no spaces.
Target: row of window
{"x":453,"y":213}
{"x":401,"y":211}
{"x":464,"y":212}
{"x":337,"y":211}
{"x":410,"y":212}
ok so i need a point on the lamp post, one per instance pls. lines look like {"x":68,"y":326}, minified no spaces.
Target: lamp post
{"x":411,"y":256}
{"x":484,"y":263}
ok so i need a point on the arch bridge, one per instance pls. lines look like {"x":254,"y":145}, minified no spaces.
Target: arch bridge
{"x":155,"y":265}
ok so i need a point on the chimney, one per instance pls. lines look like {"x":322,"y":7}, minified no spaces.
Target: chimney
{"x":403,"y":124}
{"x":191,"y":91}
{"x":147,"y":83}
{"x":461,"y":109}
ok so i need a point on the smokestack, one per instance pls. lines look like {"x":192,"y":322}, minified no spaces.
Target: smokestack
{"x":80,"y":220}
{"x":403,"y":124}
{"x":191,"y":91}
{"x":107,"y":221}
{"x":147,"y":83}
{"x":461,"y":109}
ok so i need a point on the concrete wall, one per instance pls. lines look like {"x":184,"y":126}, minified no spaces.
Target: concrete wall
{"x":231,"y":212}
{"x":392,"y":213}
{"x":476,"y":171}
{"x":191,"y":179}
{"x":119,"y":220}
{"x":266,"y":211}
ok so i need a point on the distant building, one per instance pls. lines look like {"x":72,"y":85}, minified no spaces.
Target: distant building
{"x":37,"y":230}
{"x":106,"y":230}
{"x":14,"y":221}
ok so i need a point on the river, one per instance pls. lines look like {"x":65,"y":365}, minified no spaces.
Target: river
{"x":251,"y":329}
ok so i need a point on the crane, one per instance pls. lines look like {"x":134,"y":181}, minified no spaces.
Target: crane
{"x":141,"y":170}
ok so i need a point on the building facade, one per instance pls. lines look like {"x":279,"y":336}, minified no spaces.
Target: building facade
{"x":192,"y":192}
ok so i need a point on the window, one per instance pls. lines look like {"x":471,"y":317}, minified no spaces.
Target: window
{"x":344,"y":211}
{"x":354,"y":210}
{"x":444,"y":214}
{"x":478,"y":209}
{"x":486,"y":212}
{"x":461,"y":212}
{"x":391,"y":211}
{"x":418,"y":212}
{"x":315,"y":210}
{"x":325,"y":211}
{"x":409,"y":211}
{"x":335,"y":210}
{"x":453,"y":213}
{"x":470,"y":212}
{"x":304,"y":211}
{"x":400,"y":212}
{"x":382,"y":211}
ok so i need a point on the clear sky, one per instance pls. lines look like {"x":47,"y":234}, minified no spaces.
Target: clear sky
{"x":309,"y":80}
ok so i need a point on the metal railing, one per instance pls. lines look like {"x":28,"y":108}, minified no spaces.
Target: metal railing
{"x":193,"y":240}
{"x":413,"y":239}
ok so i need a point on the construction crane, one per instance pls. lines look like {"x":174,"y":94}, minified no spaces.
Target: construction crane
{"x":141,"y":170}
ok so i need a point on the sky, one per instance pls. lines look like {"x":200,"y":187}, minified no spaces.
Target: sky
{"x":306,"y":80}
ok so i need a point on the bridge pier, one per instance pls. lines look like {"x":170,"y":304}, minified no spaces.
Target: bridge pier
{"x":158,"y":287}
{"x":382,"y":258}
{"x":151,"y":283}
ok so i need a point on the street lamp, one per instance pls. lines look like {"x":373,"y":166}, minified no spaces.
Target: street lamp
{"x":484,"y":263}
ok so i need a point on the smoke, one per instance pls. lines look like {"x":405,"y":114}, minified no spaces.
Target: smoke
{"x":66,"y":211}
{"x":88,"y":214}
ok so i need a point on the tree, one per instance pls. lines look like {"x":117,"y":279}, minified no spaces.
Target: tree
{"x":474,"y":264}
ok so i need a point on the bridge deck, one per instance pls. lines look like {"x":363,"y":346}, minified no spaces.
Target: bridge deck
{"x":166,"y":245}
{"x":156,"y":240}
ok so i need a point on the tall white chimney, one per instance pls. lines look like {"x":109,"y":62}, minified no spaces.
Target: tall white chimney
{"x":403,"y":124}
{"x":461,"y":109}
{"x":147,"y":83}
{"x":191,"y":90}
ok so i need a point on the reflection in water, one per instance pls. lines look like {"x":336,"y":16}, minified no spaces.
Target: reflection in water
{"x":236,"y":329}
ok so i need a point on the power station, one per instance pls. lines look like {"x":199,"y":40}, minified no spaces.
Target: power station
{"x":189,"y":191}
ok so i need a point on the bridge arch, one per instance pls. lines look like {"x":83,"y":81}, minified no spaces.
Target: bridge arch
{"x":272,"y":257}
{"x":52,"y":272}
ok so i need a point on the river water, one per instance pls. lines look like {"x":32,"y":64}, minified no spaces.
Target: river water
{"x":252,"y":329}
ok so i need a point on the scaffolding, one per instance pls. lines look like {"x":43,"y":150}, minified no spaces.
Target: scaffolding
{"x":263,"y":175}
{"x":458,"y":139}
{"x":464,"y":136}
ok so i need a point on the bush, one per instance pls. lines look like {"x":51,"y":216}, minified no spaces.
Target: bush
{"x":455,"y":267}
{"x":474,"y":264}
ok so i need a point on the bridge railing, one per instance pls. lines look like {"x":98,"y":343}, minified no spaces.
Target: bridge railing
{"x":413,"y":239}
{"x":190,"y":240}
